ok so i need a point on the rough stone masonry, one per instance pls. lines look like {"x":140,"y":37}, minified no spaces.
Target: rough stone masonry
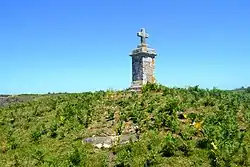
{"x":143,"y":63}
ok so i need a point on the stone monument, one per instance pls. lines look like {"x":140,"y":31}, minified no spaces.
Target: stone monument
{"x":143,"y":63}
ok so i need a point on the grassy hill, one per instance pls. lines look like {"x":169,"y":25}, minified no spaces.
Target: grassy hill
{"x":178,"y":127}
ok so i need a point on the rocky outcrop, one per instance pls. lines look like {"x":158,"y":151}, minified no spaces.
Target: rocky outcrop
{"x":109,"y":141}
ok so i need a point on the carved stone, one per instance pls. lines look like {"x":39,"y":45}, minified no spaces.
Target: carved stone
{"x":143,"y":63}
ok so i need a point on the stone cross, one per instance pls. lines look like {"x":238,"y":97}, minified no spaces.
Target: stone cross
{"x":143,"y":63}
{"x":143,"y":35}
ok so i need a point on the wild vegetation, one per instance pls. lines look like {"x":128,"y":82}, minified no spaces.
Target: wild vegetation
{"x":244,"y":89}
{"x":178,"y":127}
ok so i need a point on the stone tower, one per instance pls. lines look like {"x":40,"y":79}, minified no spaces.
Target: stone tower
{"x":143,"y":63}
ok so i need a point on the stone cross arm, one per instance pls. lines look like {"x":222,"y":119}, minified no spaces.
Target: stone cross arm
{"x":143,"y":35}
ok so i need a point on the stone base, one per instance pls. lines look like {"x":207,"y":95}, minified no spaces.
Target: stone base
{"x":135,"y":88}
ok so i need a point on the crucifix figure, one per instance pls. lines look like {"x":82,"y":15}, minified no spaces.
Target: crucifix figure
{"x":143,"y":35}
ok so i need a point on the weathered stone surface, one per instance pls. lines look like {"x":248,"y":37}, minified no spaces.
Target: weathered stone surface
{"x":143,"y":63}
{"x":109,"y":141}
{"x":143,"y":35}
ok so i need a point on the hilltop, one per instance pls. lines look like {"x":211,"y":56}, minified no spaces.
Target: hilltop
{"x":6,"y":100}
{"x":177,"y":127}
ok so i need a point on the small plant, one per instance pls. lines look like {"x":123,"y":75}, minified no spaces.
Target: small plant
{"x":38,"y":155}
{"x":169,"y":147}
{"x":75,"y":158}
{"x":36,"y":135}
{"x":119,"y":127}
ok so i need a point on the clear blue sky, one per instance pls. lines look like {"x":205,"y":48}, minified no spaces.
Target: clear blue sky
{"x":82,"y":45}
